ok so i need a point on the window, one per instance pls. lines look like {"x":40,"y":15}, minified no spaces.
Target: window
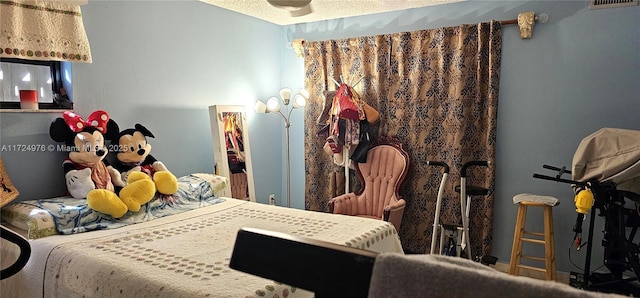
{"x":49,"y":78}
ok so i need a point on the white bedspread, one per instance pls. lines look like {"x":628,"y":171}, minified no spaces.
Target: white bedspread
{"x":183,"y":255}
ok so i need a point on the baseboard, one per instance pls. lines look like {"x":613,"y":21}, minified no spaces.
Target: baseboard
{"x":562,"y":277}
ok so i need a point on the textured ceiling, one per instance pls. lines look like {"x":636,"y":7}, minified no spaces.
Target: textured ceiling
{"x":321,"y":9}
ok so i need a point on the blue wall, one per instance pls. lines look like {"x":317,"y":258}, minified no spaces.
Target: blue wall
{"x":580,"y":72}
{"x":162,"y":63}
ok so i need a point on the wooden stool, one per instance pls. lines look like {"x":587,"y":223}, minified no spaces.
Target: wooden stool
{"x":546,"y":238}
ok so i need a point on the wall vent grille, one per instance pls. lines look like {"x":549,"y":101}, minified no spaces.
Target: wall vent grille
{"x":597,"y":4}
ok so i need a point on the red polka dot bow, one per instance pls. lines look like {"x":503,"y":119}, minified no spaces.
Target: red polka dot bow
{"x":97,"y":119}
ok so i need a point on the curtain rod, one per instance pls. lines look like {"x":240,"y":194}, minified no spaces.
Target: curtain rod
{"x":509,"y":22}
{"x":525,"y":21}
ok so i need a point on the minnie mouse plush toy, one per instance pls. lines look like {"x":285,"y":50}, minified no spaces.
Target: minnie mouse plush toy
{"x":86,"y":175}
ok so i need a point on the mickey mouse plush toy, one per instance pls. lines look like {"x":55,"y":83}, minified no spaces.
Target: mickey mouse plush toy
{"x":86,"y":175}
{"x":133,"y":156}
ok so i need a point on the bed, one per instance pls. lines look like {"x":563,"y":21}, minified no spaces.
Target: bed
{"x":175,"y":247}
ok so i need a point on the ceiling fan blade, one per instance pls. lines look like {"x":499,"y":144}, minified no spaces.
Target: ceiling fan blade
{"x":302,"y":11}
{"x":289,"y":4}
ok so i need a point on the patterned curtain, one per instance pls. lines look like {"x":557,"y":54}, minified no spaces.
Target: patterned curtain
{"x":437,"y":92}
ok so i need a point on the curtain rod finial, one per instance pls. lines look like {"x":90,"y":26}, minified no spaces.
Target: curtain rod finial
{"x":525,"y":22}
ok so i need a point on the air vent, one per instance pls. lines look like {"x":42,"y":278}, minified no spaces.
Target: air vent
{"x":597,"y":4}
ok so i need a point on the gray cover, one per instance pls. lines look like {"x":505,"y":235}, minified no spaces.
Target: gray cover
{"x":609,"y":154}
{"x":397,"y":275}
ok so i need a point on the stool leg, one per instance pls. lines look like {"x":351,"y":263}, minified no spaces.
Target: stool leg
{"x":516,"y":250}
{"x":554,"y":271}
{"x":549,"y":248}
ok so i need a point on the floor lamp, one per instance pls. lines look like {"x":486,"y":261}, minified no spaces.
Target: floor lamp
{"x":275,"y":105}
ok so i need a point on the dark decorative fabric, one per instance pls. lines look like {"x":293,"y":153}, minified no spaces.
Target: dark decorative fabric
{"x":437,"y":92}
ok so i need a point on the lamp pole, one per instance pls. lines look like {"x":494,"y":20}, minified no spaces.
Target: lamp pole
{"x":273,"y":106}
{"x":287,"y":124}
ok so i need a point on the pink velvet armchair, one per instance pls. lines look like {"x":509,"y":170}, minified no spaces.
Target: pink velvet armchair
{"x":380,"y":179}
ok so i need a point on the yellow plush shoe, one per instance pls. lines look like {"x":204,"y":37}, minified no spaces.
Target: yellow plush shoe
{"x":107,"y":202}
{"x":140,"y":189}
{"x":166,"y":183}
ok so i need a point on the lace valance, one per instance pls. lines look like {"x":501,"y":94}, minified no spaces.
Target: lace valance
{"x":43,"y":30}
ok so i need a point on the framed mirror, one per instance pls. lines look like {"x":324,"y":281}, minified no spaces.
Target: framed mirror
{"x":232,"y":153}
